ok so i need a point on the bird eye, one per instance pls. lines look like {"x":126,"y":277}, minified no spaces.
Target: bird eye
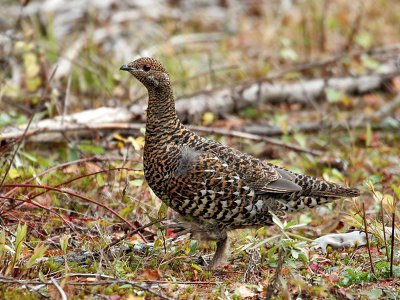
{"x":146,"y":68}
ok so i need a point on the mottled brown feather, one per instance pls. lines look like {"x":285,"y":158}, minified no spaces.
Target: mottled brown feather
{"x":215,"y":188}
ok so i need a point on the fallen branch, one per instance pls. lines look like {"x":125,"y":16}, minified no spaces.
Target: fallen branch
{"x":223,"y":101}
{"x":226,"y":101}
{"x":386,"y":122}
{"x":57,"y":131}
{"x":249,"y":136}
{"x":389,"y":124}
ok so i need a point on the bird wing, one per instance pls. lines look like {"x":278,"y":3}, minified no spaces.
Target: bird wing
{"x":200,"y":171}
{"x":262,"y":177}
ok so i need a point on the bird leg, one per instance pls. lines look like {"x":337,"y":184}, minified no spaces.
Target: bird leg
{"x":203,"y":233}
{"x":220,"y":256}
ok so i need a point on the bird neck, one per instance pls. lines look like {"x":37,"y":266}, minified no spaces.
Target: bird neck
{"x":161,"y":114}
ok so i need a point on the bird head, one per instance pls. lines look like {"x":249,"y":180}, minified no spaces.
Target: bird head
{"x":148,"y":71}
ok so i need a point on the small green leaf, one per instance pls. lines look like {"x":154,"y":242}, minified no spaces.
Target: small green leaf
{"x":364,"y":39}
{"x":38,"y":252}
{"x":125,"y":286}
{"x":197,"y":267}
{"x":162,"y":212}
{"x":14,"y":173}
{"x":333,"y":95}
{"x":289,"y":54}
{"x":100,"y":180}
{"x":373,"y":294}
{"x":42,"y":277}
{"x":136,"y":182}
{"x":192,"y":247}
{"x":19,"y":242}
{"x":278,"y":222}
{"x":64,"y":242}
{"x":368,"y":135}
{"x":264,"y":241}
{"x":369,"y":62}
{"x":126,"y":210}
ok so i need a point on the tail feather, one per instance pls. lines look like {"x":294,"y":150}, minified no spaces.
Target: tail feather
{"x":320,"y":188}
{"x":315,"y":192}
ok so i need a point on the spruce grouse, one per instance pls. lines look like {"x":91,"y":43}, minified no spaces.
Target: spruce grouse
{"x":213,"y":187}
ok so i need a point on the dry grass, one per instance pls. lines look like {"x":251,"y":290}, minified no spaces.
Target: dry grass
{"x":204,"y":46}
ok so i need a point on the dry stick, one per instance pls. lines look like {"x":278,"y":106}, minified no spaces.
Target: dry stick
{"x":132,"y":233}
{"x":367,"y":238}
{"x":322,"y":35}
{"x":322,"y":63}
{"x":103,"y":276}
{"x":385,"y":111}
{"x":209,"y":130}
{"x":275,"y":279}
{"x":80,"y":197}
{"x":354,"y":28}
{"x":27,"y":128}
{"x":30,"y":199}
{"x":320,"y":126}
{"x":392,"y":252}
{"x":22,"y":201}
{"x":384,"y":233}
{"x":64,"y":183}
{"x":59,"y":289}
{"x":254,"y":137}
{"x":93,"y":158}
{"x":160,"y":282}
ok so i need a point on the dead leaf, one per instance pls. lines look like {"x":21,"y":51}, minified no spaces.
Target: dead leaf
{"x":244,"y":292}
{"x":92,"y":168}
{"x":150,"y":274}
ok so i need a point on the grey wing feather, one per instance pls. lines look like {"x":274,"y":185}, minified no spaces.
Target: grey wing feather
{"x":282,"y":185}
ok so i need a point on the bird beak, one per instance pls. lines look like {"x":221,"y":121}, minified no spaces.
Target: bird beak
{"x":126,"y":68}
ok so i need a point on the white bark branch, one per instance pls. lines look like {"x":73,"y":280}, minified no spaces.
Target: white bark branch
{"x":223,"y":101}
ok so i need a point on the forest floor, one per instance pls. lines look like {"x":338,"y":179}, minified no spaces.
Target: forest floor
{"x":69,"y":205}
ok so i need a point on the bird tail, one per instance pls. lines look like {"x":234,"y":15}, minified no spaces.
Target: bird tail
{"x":316,"y":192}
{"x":317,"y":187}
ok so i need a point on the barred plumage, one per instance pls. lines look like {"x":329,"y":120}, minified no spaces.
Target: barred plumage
{"x":215,"y":188}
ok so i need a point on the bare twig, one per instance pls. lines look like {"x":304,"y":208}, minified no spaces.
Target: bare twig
{"x":67,"y":182}
{"x":222,"y":100}
{"x":22,"y":201}
{"x":384,"y":233}
{"x":392,"y":244}
{"x":60,"y":166}
{"x":274,"y":282}
{"x":80,"y":197}
{"x":131,"y":233}
{"x":27,"y":128}
{"x":322,"y":33}
{"x":59,"y":289}
{"x":66,"y":99}
{"x":367,"y":238}
{"x":249,"y":136}
{"x":354,"y":27}
{"x":209,"y":130}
